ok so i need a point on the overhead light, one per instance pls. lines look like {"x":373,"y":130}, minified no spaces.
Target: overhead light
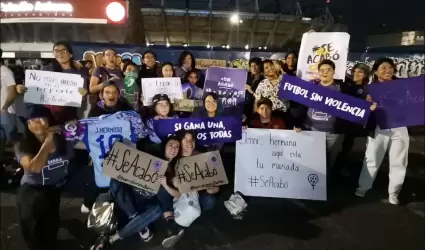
{"x":168,"y":44}
{"x":148,"y":44}
{"x":260,"y":48}
{"x":234,"y":18}
{"x":265,"y":47}
{"x":223,"y":46}
{"x":185,"y":45}
{"x":227,"y":46}
{"x":247,"y":46}
{"x":208,"y":46}
{"x":115,"y":11}
{"x":240,"y":21}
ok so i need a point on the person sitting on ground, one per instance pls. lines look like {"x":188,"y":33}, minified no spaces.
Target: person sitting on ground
{"x":207,"y":197}
{"x":170,"y":148}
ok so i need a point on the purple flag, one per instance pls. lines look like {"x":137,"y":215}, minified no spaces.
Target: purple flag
{"x":229,"y":85}
{"x":210,"y":130}
{"x":318,"y":97}
{"x":400,"y":102}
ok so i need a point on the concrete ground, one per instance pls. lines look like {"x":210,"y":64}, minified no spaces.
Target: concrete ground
{"x":344,"y":222}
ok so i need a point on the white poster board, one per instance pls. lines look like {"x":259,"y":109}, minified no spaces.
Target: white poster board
{"x":281,"y":164}
{"x":170,"y":86}
{"x":316,"y":46}
{"x":53,"y":88}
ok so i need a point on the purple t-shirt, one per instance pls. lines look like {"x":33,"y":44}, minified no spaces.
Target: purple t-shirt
{"x":53,"y":173}
{"x":103,"y":72}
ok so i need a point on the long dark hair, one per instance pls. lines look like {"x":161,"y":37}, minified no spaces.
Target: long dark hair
{"x":186,"y":76}
{"x":183,"y":56}
{"x":219,"y":110}
{"x":366,"y":70}
{"x":182,"y":133}
{"x":30,"y":145}
{"x":172,"y":164}
{"x":378,"y":63}
{"x":55,"y":64}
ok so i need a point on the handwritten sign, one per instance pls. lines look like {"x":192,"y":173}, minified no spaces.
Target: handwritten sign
{"x":210,"y":130}
{"x":53,"y":88}
{"x":186,"y":105}
{"x":170,"y":86}
{"x":400,"y":102}
{"x":317,"y":46}
{"x":205,"y":63}
{"x":285,"y":164}
{"x":323,"y":99}
{"x":136,"y":168}
{"x":200,"y":172}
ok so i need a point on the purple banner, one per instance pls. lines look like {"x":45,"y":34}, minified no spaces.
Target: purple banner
{"x":400,"y":102}
{"x":229,"y":85}
{"x":210,"y":130}
{"x":332,"y":102}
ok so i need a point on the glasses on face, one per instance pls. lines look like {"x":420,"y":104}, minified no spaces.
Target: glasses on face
{"x":60,"y":51}
{"x":36,"y":120}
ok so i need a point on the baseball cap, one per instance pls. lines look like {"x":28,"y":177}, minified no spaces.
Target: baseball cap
{"x":160,"y":97}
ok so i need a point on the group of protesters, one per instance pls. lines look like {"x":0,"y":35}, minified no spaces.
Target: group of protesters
{"x":109,"y":89}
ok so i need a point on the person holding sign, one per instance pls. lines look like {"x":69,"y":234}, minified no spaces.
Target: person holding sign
{"x":161,"y":109}
{"x":110,"y":103}
{"x":396,"y":140}
{"x":206,"y":197}
{"x":320,"y":121}
{"x":44,"y":155}
{"x":170,"y":148}
{"x":64,"y":63}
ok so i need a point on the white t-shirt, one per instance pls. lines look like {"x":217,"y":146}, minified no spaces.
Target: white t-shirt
{"x":6,"y":80}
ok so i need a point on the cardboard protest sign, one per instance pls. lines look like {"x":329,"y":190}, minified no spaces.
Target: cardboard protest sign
{"x":326,"y":100}
{"x":400,"y":102}
{"x":53,"y":88}
{"x":186,"y":105}
{"x":134,"y":167}
{"x":200,"y":172}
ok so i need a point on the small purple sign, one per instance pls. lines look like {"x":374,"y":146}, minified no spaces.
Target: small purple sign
{"x":326,"y":100}
{"x":400,"y":102}
{"x":229,"y":85}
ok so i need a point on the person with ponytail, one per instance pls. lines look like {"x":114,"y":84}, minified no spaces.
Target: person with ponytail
{"x":395,"y":140}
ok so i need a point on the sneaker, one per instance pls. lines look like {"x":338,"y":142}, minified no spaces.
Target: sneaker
{"x":102,"y":243}
{"x":84,"y":209}
{"x":146,"y":235}
{"x":360,"y":193}
{"x":172,"y":238}
{"x":175,"y":233}
{"x":393,"y":199}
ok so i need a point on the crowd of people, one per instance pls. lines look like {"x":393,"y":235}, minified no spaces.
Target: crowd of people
{"x":111,"y":89}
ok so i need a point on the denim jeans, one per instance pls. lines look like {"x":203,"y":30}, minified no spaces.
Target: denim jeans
{"x":141,"y":211}
{"x":7,"y":125}
{"x":165,"y":200}
{"x":206,"y":200}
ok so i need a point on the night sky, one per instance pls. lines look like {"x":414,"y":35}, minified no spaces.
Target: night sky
{"x":378,"y":16}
